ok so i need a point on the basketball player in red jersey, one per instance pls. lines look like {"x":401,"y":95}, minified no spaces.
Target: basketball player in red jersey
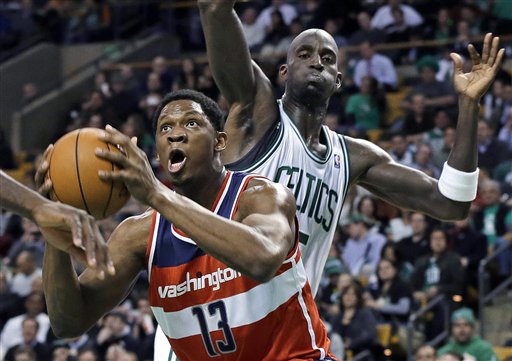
{"x":221,"y":250}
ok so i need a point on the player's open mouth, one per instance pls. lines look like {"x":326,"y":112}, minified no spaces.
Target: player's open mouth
{"x":177,"y":160}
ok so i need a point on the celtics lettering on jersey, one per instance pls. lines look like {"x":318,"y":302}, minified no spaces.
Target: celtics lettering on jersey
{"x":314,"y":197}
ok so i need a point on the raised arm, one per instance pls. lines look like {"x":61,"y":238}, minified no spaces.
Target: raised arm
{"x":255,"y":243}
{"x":89,"y":246}
{"x":76,"y":303}
{"x":239,"y":79}
{"x":449,"y":198}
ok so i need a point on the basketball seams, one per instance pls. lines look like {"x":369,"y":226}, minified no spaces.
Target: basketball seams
{"x":77,"y":167}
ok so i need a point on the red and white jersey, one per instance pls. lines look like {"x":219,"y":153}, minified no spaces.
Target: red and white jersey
{"x":209,"y":310}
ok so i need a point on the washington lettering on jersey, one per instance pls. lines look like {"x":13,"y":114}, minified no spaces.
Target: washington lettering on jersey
{"x":317,"y":200}
{"x":214,"y":280}
{"x":208,"y":310}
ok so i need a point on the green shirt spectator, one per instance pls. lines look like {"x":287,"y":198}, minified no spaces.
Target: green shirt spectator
{"x":464,"y":341}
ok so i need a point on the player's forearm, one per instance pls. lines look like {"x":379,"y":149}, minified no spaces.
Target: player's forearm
{"x":18,"y":198}
{"x":237,"y":245}
{"x":464,"y":155}
{"x":227,"y":50}
{"x":63,"y":294}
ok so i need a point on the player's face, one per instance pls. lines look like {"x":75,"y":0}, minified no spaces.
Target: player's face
{"x":462,"y":331}
{"x":312,"y":68}
{"x":186,"y":140}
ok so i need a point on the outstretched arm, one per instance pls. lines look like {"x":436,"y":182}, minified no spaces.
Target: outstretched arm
{"x":239,"y":79}
{"x":411,"y":189}
{"x":88,"y":244}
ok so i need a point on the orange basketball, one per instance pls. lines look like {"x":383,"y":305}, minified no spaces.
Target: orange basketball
{"x":74,"y":170}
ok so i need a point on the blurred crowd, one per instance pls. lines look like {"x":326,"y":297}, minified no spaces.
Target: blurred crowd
{"x":385,"y":262}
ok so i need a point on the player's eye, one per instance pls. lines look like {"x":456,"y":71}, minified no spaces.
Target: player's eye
{"x":304,"y":55}
{"x":192,"y":123}
{"x":165,"y":128}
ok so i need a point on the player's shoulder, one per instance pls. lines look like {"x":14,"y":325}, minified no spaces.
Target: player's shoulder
{"x":261,"y":191}
{"x":136,"y":228}
{"x":362,"y":148}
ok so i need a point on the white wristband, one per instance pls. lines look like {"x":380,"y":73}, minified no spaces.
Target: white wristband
{"x":456,"y":185}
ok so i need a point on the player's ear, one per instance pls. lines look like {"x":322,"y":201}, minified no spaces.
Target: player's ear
{"x":221,"y":139}
{"x":339,"y":80}
{"x":283,"y":72}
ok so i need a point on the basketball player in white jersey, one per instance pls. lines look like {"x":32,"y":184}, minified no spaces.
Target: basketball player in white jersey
{"x":286,"y":141}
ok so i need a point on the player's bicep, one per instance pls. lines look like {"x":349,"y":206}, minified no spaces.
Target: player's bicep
{"x":269,"y":209}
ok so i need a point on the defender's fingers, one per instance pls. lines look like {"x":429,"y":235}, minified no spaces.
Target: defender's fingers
{"x":115,"y":157}
{"x":457,"y":62}
{"x":486,"y":48}
{"x":473,"y":54}
{"x":75,"y":224}
{"x":90,"y":245}
{"x":494,"y":50}
{"x":44,"y":166}
{"x":499,"y":60}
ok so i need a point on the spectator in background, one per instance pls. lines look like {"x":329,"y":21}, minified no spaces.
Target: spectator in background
{"x":437,"y":94}
{"x":470,"y":245}
{"x":288,"y":13}
{"x":438,"y":272}
{"x":423,"y":161}
{"x":462,"y":38}
{"x":362,"y":249}
{"x":25,"y":353}
{"x":187,"y":77}
{"x":115,"y":331}
{"x":425,"y":353}
{"x":365,"y":31}
{"x":12,"y":332}
{"x":398,"y":32}
{"x":391,"y":297}
{"x":87,"y":354}
{"x":356,"y":323}
{"x":493,"y":101}
{"x":399,"y":224}
{"x":404,"y":269}
{"x":326,"y":300}
{"x":444,"y":28}
{"x":464,"y":339}
{"x":331,"y":25}
{"x":400,"y":150}
{"x":412,"y":248}
{"x":159,"y":67}
{"x":366,"y":109}
{"x":376,"y":65}
{"x":419,"y":118}
{"x":491,"y":151}
{"x":276,"y":31}
{"x":254,"y":32}
{"x":494,"y":220}
{"x":29,"y":328}
{"x":439,"y":156}
{"x":442,"y":120}
{"x":26,"y":272}
{"x":505,"y":134}
{"x":384,"y":17}
{"x":9,"y":301}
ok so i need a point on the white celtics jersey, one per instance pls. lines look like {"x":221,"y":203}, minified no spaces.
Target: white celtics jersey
{"x":318,"y":183}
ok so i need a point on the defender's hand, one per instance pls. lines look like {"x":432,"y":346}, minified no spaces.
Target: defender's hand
{"x":76,"y":233}
{"x":475,"y":83}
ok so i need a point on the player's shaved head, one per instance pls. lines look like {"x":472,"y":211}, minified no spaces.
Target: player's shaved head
{"x":319,"y":33}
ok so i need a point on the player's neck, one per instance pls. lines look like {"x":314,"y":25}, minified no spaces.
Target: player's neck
{"x":203,"y":190}
{"x":308,"y":118}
